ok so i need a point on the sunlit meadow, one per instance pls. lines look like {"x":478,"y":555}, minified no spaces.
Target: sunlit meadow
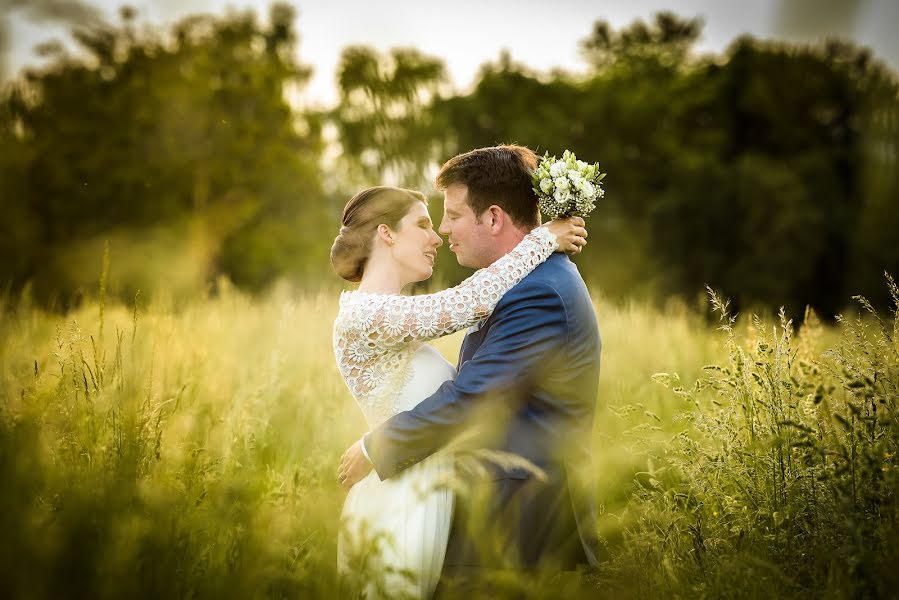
{"x":161,"y":449}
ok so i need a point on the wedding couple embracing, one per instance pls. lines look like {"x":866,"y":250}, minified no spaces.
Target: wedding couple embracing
{"x":515,"y":490}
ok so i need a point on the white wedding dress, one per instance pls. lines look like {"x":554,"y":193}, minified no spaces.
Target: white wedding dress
{"x":397,"y":530}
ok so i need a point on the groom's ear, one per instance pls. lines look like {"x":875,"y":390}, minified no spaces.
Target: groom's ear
{"x":496,"y":218}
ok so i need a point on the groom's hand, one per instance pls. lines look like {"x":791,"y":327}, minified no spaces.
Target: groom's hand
{"x":353,"y":466}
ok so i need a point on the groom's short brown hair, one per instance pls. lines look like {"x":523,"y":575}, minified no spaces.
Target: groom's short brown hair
{"x":498,"y":175}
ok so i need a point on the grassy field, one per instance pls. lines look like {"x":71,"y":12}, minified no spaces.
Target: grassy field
{"x":191,"y":452}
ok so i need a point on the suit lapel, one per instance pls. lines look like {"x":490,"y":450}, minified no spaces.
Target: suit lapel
{"x":473,"y":340}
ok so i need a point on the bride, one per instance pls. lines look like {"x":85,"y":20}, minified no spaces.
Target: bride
{"x":396,"y":530}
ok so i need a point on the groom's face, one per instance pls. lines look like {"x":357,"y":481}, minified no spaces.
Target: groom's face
{"x":469,"y":238}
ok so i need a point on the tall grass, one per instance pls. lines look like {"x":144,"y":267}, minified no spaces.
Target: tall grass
{"x":152,"y":452}
{"x":783,"y":479}
{"x":197,"y":460}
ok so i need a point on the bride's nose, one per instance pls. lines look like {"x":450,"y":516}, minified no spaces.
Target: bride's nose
{"x":438,"y":241}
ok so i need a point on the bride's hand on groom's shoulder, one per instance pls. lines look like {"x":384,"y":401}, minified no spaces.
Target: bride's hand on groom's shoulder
{"x":571,"y":234}
{"x":354,"y":466}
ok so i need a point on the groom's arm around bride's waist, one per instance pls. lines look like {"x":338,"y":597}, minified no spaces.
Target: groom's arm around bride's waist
{"x":527,"y":330}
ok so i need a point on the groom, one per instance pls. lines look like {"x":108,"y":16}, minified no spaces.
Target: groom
{"x":532,"y":366}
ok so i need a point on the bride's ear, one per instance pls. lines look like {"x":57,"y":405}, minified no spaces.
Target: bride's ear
{"x":385,"y":234}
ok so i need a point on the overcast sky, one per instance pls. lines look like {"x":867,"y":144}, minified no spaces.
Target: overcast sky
{"x":466,"y":33}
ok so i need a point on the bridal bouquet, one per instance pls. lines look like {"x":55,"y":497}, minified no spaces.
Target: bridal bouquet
{"x":568,"y":187}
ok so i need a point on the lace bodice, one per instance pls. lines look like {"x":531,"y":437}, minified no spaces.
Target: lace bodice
{"x":375,"y":335}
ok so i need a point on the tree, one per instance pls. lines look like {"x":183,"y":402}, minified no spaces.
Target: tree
{"x":770,"y":181}
{"x":387,"y":131}
{"x":185,"y":132}
{"x":665,"y":43}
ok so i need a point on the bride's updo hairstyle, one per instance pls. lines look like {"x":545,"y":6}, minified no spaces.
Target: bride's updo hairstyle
{"x":361,"y":217}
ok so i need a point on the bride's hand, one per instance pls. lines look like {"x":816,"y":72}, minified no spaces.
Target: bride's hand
{"x":570,"y":233}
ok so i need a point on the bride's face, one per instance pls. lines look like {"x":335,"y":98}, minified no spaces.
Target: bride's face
{"x":415,"y":244}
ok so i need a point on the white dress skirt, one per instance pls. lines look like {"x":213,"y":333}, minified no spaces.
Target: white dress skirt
{"x":394,"y":532}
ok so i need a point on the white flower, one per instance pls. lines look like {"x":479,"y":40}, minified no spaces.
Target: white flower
{"x":546,"y":185}
{"x":588,"y":189}
{"x":556,"y":169}
{"x":562,"y":183}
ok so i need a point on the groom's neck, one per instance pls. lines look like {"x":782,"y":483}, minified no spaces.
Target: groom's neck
{"x":506,"y":242}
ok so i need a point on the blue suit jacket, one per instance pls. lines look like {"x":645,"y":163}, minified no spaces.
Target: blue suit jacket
{"x":537,"y":358}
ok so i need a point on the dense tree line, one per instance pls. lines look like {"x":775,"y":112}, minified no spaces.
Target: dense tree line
{"x":181,"y":143}
{"x":768,"y":171}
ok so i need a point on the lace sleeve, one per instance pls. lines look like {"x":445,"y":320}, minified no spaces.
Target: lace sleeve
{"x":390,"y":320}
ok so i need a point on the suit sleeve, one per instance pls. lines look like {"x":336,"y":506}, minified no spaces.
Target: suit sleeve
{"x":528,"y":329}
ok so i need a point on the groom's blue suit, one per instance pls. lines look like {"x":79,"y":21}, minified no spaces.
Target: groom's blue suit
{"x":534,"y":367}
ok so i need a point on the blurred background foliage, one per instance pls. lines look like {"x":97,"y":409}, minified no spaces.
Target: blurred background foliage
{"x":768,"y":171}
